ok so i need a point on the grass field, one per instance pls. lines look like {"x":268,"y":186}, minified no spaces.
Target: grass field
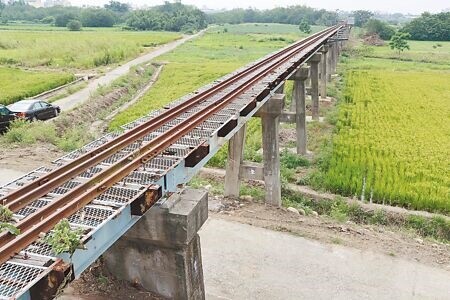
{"x":17,"y":84}
{"x":420,"y":51}
{"x":57,"y":49}
{"x":392,"y":139}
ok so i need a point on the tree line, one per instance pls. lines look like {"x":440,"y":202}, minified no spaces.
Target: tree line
{"x":179,"y":17}
{"x":427,"y":27}
{"x":284,"y":15}
{"x":169,"y":16}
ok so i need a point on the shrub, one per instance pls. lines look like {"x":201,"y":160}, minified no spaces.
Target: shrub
{"x":74,"y":25}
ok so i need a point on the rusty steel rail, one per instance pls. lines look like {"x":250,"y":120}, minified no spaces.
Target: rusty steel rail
{"x":41,"y":186}
{"x":46,"y":217}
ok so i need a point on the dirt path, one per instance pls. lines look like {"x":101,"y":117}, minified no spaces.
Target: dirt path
{"x":83,"y":95}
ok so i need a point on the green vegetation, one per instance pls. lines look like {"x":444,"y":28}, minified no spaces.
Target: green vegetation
{"x":74,"y":25}
{"x":436,"y":227}
{"x":93,"y":48}
{"x":383,"y":29}
{"x":362,"y":17}
{"x":169,"y":17}
{"x":205,"y":59}
{"x":64,"y":239}
{"x":435,"y":54}
{"x":18,"y":84}
{"x":398,"y":42}
{"x":304,"y":27}
{"x":71,"y":130}
{"x":282,"y":15}
{"x":5,"y":219}
{"x":390,"y":142}
{"x":429,"y":27}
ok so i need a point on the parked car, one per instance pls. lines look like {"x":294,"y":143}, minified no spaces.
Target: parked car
{"x":6,"y":116}
{"x":34,"y":110}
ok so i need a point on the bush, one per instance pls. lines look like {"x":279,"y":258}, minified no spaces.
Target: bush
{"x":383,"y":29}
{"x":48,"y":20}
{"x":74,"y":25}
{"x":63,"y":19}
{"x":97,"y":18}
{"x":24,"y":132}
{"x":169,"y":17}
{"x":430,"y":27}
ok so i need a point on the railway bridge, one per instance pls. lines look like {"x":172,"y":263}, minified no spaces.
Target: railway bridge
{"x":125,"y":191}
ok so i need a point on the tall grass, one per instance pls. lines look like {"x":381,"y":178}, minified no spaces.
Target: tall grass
{"x":85,"y":49}
{"x":207,"y":58}
{"x":16,"y":84}
{"x":392,"y":140}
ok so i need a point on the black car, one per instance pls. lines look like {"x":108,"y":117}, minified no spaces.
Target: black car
{"x":34,"y":110}
{"x":6,"y":116}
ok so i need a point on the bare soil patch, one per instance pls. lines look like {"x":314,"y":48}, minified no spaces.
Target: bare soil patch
{"x":27,"y":158}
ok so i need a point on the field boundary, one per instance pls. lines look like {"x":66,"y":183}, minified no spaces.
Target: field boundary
{"x":50,"y":92}
{"x":325,"y":196}
{"x":138,"y":95}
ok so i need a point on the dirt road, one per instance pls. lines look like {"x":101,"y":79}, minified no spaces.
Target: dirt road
{"x":73,"y":100}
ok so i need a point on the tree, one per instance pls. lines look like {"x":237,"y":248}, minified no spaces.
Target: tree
{"x":117,"y":7}
{"x":169,"y":17}
{"x":63,"y":19}
{"x":429,"y":27}
{"x":97,"y":18}
{"x":383,"y":29}
{"x":362,"y":17}
{"x":74,"y":25}
{"x":304,"y":27}
{"x":399,"y":41}
{"x":48,"y":20}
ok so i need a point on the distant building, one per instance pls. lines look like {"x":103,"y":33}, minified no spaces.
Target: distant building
{"x":35,"y":3}
{"x":50,"y":3}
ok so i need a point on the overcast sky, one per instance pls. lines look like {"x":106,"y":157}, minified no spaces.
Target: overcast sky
{"x":403,"y":6}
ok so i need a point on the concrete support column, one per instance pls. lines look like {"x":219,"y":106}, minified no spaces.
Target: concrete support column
{"x":235,"y":158}
{"x":161,"y":252}
{"x":299,"y":99}
{"x":314,"y":67}
{"x":330,"y":62}
{"x":323,"y":71}
{"x":270,"y":119}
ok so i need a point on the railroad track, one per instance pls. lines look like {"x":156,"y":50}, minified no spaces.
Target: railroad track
{"x":140,"y":158}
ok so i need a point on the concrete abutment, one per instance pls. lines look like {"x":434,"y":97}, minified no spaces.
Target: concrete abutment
{"x":162,"y":252}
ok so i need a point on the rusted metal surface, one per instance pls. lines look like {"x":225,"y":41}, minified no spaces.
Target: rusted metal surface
{"x":124,"y":169}
{"x":20,"y":198}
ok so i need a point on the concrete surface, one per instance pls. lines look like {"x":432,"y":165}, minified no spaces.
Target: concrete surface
{"x":245,"y":262}
{"x":8,"y":175}
{"x":161,"y":252}
{"x":83,"y":95}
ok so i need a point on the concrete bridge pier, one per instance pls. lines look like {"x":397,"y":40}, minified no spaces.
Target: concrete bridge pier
{"x":330,"y":62}
{"x":269,"y":171}
{"x":234,"y":162}
{"x":270,"y":119}
{"x":323,"y":72}
{"x":314,"y":67}
{"x":299,"y":100}
{"x":161,"y":252}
